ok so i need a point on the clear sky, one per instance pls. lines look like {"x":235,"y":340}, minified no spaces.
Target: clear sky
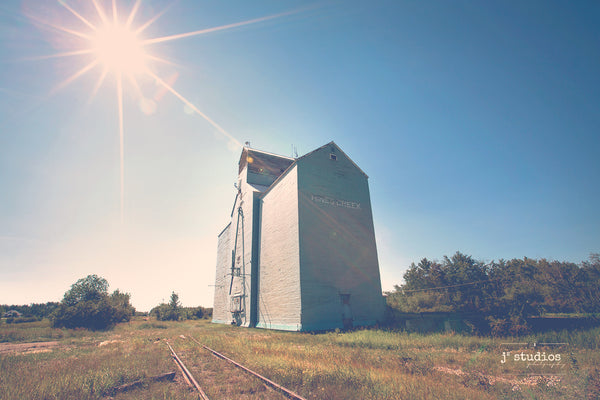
{"x":478,"y":123}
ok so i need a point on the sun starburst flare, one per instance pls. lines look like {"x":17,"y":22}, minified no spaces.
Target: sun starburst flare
{"x":119,"y":49}
{"x":116,"y":47}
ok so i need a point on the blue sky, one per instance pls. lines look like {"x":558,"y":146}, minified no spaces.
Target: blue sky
{"x":477,"y":122}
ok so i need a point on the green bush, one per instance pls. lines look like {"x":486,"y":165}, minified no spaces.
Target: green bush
{"x":168,"y":312}
{"x":164,"y":312}
{"x":19,"y":320}
{"x":88,"y":305}
{"x":175,"y":312}
{"x":153,"y":325}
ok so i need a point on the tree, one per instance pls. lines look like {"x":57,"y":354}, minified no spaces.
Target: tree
{"x":591,"y":287}
{"x":164,"y":312}
{"x":120,"y":301}
{"x":507,"y":293}
{"x":88,"y":305}
{"x":169,"y":312}
{"x":90,"y":288}
{"x":174,"y":302}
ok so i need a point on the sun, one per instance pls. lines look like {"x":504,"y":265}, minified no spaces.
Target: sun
{"x":119,"y":49}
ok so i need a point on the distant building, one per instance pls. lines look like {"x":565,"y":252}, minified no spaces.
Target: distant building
{"x":299,"y":253}
{"x":12,"y":314}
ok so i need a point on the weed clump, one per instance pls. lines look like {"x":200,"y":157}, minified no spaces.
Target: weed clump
{"x":153,"y":325}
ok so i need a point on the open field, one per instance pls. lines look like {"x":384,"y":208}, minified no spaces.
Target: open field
{"x":39,"y":362}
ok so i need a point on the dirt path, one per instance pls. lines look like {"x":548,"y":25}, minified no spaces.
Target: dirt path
{"x":36,"y":347}
{"x":549,"y":380}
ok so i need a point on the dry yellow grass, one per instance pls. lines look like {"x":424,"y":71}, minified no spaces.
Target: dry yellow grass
{"x":369,"y":364}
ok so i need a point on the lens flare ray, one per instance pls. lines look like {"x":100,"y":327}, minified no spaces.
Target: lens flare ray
{"x":98,"y":84}
{"x":101,"y":12}
{"x":60,"y":55}
{"x":152,"y":20}
{"x":161,"y":60}
{"x":133,"y":13}
{"x":75,"y":13}
{"x":118,"y":49}
{"x":214,"y":29}
{"x":193,"y":107}
{"x":73,"y":77}
{"x":135,"y":85}
{"x":121,"y":144}
{"x":59,"y":27}
{"x":114,"y":11}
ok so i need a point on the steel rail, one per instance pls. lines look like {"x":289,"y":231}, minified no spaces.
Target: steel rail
{"x":189,"y":378}
{"x":283,"y":390}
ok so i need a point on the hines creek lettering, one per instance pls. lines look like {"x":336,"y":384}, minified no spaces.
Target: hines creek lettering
{"x":335,"y":202}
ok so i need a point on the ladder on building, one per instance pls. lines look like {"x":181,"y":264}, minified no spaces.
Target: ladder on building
{"x":237,"y":303}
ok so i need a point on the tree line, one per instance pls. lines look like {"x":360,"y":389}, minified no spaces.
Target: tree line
{"x":88,"y":304}
{"x":505,"y":293}
{"x":173,"y":311}
{"x":30,"y":312}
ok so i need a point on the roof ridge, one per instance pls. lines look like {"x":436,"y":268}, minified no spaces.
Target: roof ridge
{"x":267,"y":152}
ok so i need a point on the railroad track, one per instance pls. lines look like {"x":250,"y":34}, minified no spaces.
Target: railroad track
{"x":226,"y":378}
{"x":187,"y":375}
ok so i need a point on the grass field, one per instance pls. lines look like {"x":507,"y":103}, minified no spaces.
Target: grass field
{"x":363,"y":364}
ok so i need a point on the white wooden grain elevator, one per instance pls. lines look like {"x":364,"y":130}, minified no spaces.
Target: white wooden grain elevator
{"x":299,"y":251}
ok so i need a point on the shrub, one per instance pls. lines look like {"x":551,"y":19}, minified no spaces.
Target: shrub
{"x":88,"y":305}
{"x":19,"y":320}
{"x":164,"y":312}
{"x":168,"y":312}
{"x":511,"y":326}
{"x":153,"y":325}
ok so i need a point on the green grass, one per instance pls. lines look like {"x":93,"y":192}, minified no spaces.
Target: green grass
{"x":38,"y":331}
{"x":153,"y":325}
{"x":363,"y":364}
{"x":581,"y":339}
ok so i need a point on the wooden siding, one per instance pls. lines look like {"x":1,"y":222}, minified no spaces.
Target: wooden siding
{"x":306,"y":253}
{"x":221,"y":312}
{"x":247,"y":235}
{"x":338,"y":254}
{"x":279,"y":280}
{"x":244,"y":253}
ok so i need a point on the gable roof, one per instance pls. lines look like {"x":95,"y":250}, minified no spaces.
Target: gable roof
{"x":224,"y":229}
{"x":332,"y":143}
{"x":279,"y":178}
{"x":261,"y":161}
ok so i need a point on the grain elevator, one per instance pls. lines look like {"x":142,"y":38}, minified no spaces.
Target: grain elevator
{"x":299,"y":250}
